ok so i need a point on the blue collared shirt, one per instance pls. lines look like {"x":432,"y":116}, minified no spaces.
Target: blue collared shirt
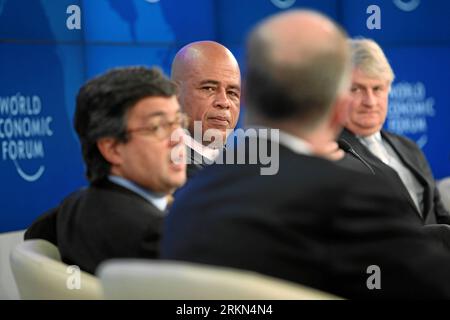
{"x":158,"y":200}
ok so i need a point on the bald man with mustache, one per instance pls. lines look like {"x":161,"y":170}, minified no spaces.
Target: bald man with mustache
{"x":209,"y":82}
{"x":209,"y":92}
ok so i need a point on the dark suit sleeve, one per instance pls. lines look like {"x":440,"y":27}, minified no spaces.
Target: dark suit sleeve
{"x":374,"y":227}
{"x":44,"y":227}
{"x":150,"y":244}
{"x":442,"y":215}
{"x":192,"y":169}
{"x":440,"y":232}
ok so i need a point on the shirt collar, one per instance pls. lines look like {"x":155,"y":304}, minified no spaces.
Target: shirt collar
{"x":293,"y":143}
{"x":158,"y":200}
{"x":376,"y":136}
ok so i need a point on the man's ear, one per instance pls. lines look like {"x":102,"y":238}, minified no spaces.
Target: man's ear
{"x":109,"y":148}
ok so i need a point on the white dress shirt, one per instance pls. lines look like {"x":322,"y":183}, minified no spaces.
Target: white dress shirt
{"x":293,"y":143}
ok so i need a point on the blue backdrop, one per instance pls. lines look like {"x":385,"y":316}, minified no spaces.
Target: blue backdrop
{"x":43,"y":63}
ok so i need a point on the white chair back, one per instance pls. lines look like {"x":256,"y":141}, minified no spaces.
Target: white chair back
{"x":174,"y":280}
{"x":444,"y":189}
{"x":8,"y":287}
{"x":40,"y":274}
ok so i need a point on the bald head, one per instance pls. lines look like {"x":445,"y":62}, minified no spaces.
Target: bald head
{"x":298,"y":62}
{"x":209,"y":83}
{"x":298,"y":36}
{"x":196,"y":54}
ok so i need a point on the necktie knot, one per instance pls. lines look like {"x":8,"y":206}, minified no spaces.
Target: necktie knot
{"x":375,"y":146}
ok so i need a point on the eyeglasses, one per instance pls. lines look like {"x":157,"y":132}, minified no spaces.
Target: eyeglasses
{"x":161,"y":128}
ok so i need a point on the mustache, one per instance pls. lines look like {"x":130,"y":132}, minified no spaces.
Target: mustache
{"x":220,"y":116}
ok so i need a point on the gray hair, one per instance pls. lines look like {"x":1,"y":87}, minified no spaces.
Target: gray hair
{"x":368,"y":56}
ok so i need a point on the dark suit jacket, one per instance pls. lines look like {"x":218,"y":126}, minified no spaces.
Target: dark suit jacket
{"x":101,"y":222}
{"x":415,"y":161}
{"x":195,"y":164}
{"x":314,"y":223}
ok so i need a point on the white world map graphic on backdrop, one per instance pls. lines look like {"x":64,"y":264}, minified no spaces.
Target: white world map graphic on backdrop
{"x":410,"y":107}
{"x":408,"y":5}
{"x":283,"y":4}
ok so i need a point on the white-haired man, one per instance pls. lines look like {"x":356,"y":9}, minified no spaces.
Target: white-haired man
{"x":385,"y":154}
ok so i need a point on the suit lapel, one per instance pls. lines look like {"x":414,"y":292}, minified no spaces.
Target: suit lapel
{"x":407,"y":158}
{"x":405,"y":155}
{"x":363,"y":151}
{"x":380,"y":167}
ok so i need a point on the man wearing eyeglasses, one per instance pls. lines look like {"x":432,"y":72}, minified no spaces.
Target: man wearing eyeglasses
{"x":209,"y":83}
{"x":130,"y":126}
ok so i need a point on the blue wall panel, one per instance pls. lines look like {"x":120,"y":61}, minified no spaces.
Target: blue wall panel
{"x":43,"y":20}
{"x":426,"y":23}
{"x":40,"y":158}
{"x":420,"y":100}
{"x":41,"y":59}
{"x":125,"y":21}
{"x":101,"y":58}
{"x":164,"y":22}
{"x":236,"y":17}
